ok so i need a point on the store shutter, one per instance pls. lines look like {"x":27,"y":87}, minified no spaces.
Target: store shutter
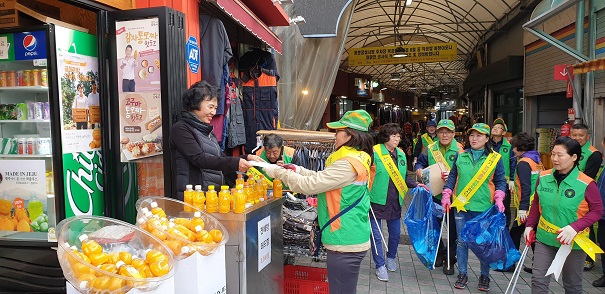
{"x":599,"y":87}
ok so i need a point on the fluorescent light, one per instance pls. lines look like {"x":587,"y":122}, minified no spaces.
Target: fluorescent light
{"x":412,"y":87}
{"x":305,"y":92}
{"x":408,"y":2}
{"x":383,"y":89}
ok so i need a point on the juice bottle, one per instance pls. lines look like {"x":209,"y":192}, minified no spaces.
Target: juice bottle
{"x":203,"y":235}
{"x":172,"y":230}
{"x":188,"y":195}
{"x":239,"y":199}
{"x":190,"y":235}
{"x":113,"y":257}
{"x":233,"y":191}
{"x":101,"y":283}
{"x":128,"y":270}
{"x":174,"y":245}
{"x":112,"y":268}
{"x":159,"y":268}
{"x":248,"y":193}
{"x":259,"y":189}
{"x":198,"y":198}
{"x":277,"y":188}
{"x":224,"y":200}
{"x":211,"y":200}
{"x":79,"y":269}
{"x":90,"y":246}
{"x":239,"y":180}
{"x":265,"y":186}
{"x":153,"y":255}
{"x":217,"y":235}
{"x":138,"y":262}
{"x":34,"y":207}
{"x":182,"y":221}
{"x":126,"y":257}
{"x":196,"y":221}
{"x":116,"y":283}
{"x":155,"y":210}
{"x":86,"y":281}
{"x":98,"y":258}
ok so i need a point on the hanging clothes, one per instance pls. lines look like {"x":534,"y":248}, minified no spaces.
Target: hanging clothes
{"x":236,"y":130}
{"x":215,"y":54}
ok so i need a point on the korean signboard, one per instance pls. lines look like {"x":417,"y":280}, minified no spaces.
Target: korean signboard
{"x":264,"y":242}
{"x":138,"y":62}
{"x":421,"y":53}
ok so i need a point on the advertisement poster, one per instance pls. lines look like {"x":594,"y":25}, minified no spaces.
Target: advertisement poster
{"x":30,"y":45}
{"x":83,"y":174}
{"x":138,"y":63}
{"x":23,"y":194}
{"x":78,"y":73}
{"x":417,"y":53}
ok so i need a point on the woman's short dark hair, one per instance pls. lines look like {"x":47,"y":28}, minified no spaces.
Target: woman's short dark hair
{"x":361,"y":141}
{"x":572,"y":146}
{"x":385,"y":132}
{"x":198,"y":92}
{"x":523,"y":142}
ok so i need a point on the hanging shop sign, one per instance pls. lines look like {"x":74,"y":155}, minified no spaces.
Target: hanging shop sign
{"x":421,"y":53}
{"x":563,"y":72}
{"x":193,"y":54}
{"x":569,"y":90}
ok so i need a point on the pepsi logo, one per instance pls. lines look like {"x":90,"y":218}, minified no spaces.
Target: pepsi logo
{"x":29,"y":43}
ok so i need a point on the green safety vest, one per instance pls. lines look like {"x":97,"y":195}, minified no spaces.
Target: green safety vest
{"x":561,"y":205}
{"x":482,"y":200}
{"x":449,"y":155}
{"x":380,"y":187}
{"x":505,"y":153}
{"x":587,"y":151}
{"x":287,"y":156}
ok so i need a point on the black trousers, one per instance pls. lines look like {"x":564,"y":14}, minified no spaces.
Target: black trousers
{"x":601,"y":237}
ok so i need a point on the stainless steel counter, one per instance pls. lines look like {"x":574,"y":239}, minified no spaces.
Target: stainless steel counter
{"x":242,"y":249}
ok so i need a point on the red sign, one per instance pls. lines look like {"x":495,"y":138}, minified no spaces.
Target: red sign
{"x":571,"y":114}
{"x":569,"y":90}
{"x":565,"y":130}
{"x":563,"y":72}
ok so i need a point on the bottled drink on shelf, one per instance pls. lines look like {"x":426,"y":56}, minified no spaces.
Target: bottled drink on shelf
{"x":239,"y":199}
{"x":188,"y":196}
{"x":155,"y":210}
{"x":198,"y":198}
{"x":126,"y":257}
{"x":259,"y":189}
{"x":153,"y":255}
{"x":159,"y":268}
{"x":224,"y":200}
{"x":211,"y":200}
{"x":265,"y":186}
{"x":128,"y":270}
{"x":90,"y":247}
{"x":248,"y":193}
{"x":196,"y":221}
{"x":277,"y":188}
{"x":239,"y":180}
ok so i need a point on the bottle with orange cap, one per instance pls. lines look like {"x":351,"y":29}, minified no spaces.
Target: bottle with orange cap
{"x":277,"y":188}
{"x":248,"y":193}
{"x":224,"y":200}
{"x":239,"y":180}
{"x":239,"y":199}
{"x":211,"y":200}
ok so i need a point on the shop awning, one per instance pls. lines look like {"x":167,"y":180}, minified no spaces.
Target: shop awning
{"x":269,"y":11}
{"x":591,"y":65}
{"x":237,"y":10}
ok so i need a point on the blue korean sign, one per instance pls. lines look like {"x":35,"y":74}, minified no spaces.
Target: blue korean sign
{"x":193,"y":54}
{"x":30,"y":45}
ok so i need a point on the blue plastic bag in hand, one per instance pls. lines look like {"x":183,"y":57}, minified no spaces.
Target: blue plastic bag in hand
{"x":423,"y":226}
{"x":487,"y":236}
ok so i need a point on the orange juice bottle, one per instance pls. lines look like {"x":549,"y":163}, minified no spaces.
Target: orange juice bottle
{"x":79,"y":269}
{"x":90,"y":246}
{"x":115,"y":284}
{"x":224,"y":200}
{"x":190,"y":234}
{"x":248,"y":193}
{"x":196,"y":221}
{"x":98,"y":258}
{"x":86,"y":281}
{"x":265,"y":186}
{"x":211,"y":200}
{"x":239,"y":199}
{"x":128,"y":270}
{"x":259,"y":189}
{"x":239,"y":180}
{"x":113,"y":257}
{"x":233,"y":191}
{"x":174,"y":245}
{"x":112,"y":268}
{"x":153,"y":255}
{"x":101,"y":283}
{"x":159,"y":268}
{"x":277,"y":188}
{"x":155,"y":210}
{"x":203,"y":235}
{"x":138,"y":262}
{"x":188,"y":195}
{"x":217,"y":235}
{"x":126,"y":257}
{"x":172,"y":230}
{"x":198,"y":198}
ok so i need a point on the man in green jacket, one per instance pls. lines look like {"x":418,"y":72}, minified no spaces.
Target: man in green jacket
{"x":274,"y":152}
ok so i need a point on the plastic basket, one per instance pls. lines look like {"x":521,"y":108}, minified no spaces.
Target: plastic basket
{"x":176,"y":209}
{"x":305,"y":280}
{"x":114,"y":236}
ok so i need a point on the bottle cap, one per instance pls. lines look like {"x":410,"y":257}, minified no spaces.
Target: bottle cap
{"x":120,"y":264}
{"x":198,"y":228}
{"x":185,"y":249}
{"x":141,"y":221}
{"x":171,"y":225}
{"x":239,"y":176}
{"x":246,"y":184}
{"x":198,"y":187}
{"x":197,"y":214}
{"x":144,"y":210}
{"x":154,"y":204}
{"x":188,"y":186}
{"x":66,"y":245}
{"x":211,"y":187}
{"x":83,"y":237}
{"x":224,"y":187}
{"x":83,"y":285}
{"x":73,"y":247}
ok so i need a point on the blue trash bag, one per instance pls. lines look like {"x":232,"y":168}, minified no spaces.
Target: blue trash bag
{"x":487,"y":236}
{"x":421,"y":220}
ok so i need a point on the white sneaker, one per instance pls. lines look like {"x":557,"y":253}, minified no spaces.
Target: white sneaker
{"x":391,"y":264}
{"x":382,"y":274}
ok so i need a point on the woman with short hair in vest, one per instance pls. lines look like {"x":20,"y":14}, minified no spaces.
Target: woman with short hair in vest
{"x":477,"y":165}
{"x":566,"y":204}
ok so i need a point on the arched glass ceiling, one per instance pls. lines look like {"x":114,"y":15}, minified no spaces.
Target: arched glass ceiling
{"x":389,"y":23}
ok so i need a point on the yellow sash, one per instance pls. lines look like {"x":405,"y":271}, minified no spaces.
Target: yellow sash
{"x":256,"y":174}
{"x":581,"y":238}
{"x":346,"y":151}
{"x":393,"y":171}
{"x":475,"y":183}
{"x":438,"y":156}
{"x":428,"y":139}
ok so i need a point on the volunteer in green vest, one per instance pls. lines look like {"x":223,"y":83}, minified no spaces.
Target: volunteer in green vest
{"x":566,"y":204}
{"x":502,"y":146}
{"x":387,"y":190}
{"x":588,"y":163}
{"x":477,"y":180}
{"x":443,"y":150}
{"x":426,"y":138}
{"x":274,"y":152}
{"x":526,"y":175}
{"x":342,"y":184}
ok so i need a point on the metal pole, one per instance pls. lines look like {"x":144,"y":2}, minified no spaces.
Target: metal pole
{"x":577,"y":94}
{"x":590,"y":76}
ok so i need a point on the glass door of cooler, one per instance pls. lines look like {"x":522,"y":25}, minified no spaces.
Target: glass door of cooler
{"x":27,"y":198}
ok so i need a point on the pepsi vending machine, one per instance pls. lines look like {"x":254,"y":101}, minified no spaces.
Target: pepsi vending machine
{"x":51,"y":163}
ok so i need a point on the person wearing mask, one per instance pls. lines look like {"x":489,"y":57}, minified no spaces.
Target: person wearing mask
{"x":343,"y":183}
{"x":566,"y":204}
{"x":600,"y":282}
{"x":274,"y":151}
{"x":195,"y":153}
{"x":478,"y":164}
{"x":425,"y":139}
{"x":588,"y":163}
{"x":527,"y":172}
{"x":502,"y":146}
{"x":387,"y":191}
{"x":443,"y":151}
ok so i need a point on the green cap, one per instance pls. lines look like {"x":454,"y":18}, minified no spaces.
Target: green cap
{"x":500,"y":121}
{"x":481,"y":128}
{"x":446,"y":123}
{"x":355,"y":119}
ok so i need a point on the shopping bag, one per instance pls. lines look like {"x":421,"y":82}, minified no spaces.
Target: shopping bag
{"x":421,"y":220}
{"x":488,"y":237}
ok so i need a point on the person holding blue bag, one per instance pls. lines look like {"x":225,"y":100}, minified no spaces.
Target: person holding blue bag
{"x":477,"y":181}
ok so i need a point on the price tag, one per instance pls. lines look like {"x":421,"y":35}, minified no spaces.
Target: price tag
{"x":4,"y":47}
{"x":40,"y":62}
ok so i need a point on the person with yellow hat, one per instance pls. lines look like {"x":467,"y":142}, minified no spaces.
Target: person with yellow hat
{"x":469,"y":180}
{"x":502,"y":146}
{"x":342,"y":196}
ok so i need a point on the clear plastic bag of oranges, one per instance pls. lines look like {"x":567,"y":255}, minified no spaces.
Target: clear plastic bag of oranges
{"x":103,"y":255}
{"x":182,"y":227}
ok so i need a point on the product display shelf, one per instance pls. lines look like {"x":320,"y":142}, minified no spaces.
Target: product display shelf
{"x":26,"y":155}
{"x":7,"y":121}
{"x":35,"y":89}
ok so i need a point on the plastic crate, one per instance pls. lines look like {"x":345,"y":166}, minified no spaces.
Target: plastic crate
{"x":305,"y":280}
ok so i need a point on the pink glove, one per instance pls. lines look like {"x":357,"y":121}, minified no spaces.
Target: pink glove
{"x":446,"y":199}
{"x":293,"y":167}
{"x":312,"y":201}
{"x":499,"y":197}
{"x":423,"y":186}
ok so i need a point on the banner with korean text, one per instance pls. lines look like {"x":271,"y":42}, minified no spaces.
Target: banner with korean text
{"x":420,"y":53}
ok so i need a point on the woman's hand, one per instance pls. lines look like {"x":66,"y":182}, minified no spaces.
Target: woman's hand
{"x":522,"y":216}
{"x":530,"y":235}
{"x":566,"y":235}
{"x":244,"y":165}
{"x":252,"y":157}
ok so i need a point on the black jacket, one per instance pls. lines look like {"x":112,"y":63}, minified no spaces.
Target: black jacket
{"x":196,"y":156}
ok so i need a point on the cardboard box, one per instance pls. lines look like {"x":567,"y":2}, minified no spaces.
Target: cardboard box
{"x":198,"y":274}
{"x":13,"y":14}
{"x":9,"y":17}
{"x":167,"y":287}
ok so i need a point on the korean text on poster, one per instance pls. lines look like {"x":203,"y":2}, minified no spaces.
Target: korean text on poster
{"x":140,"y":125}
{"x":414,"y":54}
{"x":264,"y":242}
